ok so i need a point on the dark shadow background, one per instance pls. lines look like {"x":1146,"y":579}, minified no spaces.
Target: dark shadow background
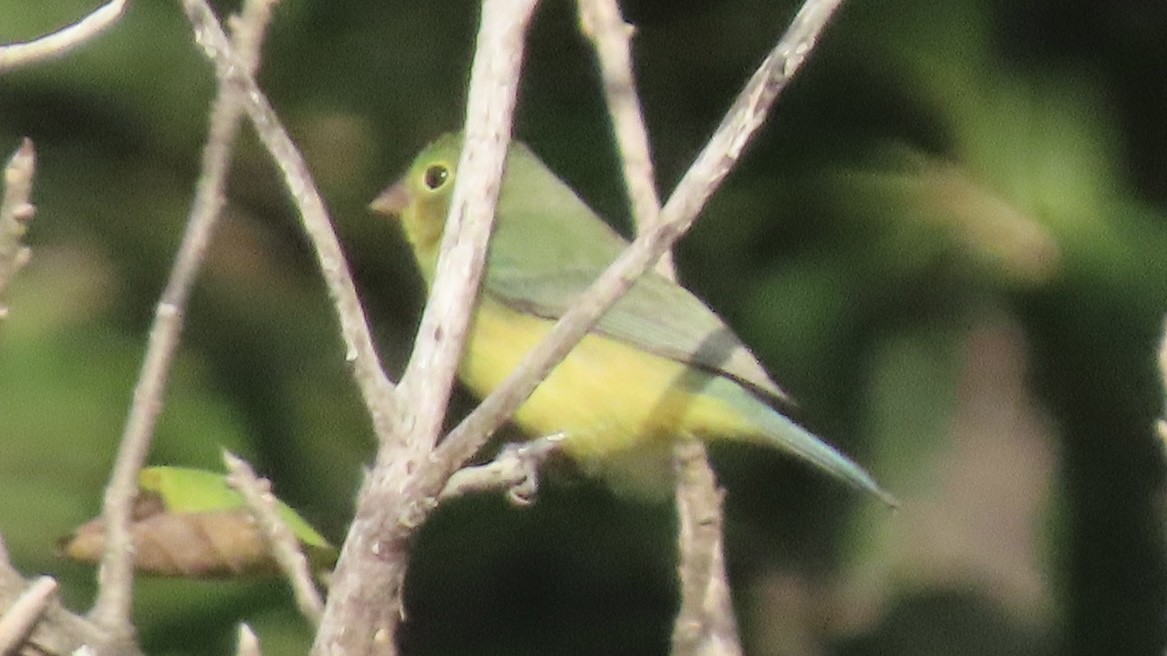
{"x":947,"y":243}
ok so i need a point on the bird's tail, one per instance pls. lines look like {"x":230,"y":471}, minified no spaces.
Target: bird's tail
{"x":775,"y":430}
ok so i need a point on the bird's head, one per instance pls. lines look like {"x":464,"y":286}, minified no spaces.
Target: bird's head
{"x":420,"y":199}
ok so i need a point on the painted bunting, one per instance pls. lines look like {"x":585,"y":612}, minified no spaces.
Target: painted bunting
{"x":658,"y":365}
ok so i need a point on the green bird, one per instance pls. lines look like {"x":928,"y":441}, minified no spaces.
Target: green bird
{"x":659,"y":365}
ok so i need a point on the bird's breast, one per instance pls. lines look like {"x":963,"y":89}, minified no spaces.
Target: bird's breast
{"x":607,"y":397}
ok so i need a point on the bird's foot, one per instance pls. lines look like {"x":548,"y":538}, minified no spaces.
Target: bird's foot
{"x":515,"y":468}
{"x":526,"y":458}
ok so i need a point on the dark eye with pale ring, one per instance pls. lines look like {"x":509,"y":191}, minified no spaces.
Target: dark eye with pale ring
{"x":436,"y":176}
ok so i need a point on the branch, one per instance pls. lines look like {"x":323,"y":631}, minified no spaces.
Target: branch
{"x":56,"y":631}
{"x":248,"y":643}
{"x":19,"y":619}
{"x":60,"y":42}
{"x":365,"y":603}
{"x":111,"y":610}
{"x":700,"y":627}
{"x":376,"y":389}
{"x":611,"y":38}
{"x":494,"y":81}
{"x":749,"y":112}
{"x":15,"y":213}
{"x":1161,"y":424}
{"x":284,"y":545}
{"x":705,"y":623}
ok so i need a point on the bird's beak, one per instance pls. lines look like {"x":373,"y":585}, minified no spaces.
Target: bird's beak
{"x":393,"y":201}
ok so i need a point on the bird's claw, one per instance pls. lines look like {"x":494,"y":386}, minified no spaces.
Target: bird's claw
{"x":528,"y":456}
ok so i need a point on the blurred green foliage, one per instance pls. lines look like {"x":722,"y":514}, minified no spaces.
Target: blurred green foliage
{"x":949,"y":187}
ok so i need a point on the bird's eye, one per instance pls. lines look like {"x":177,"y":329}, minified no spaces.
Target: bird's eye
{"x":436,"y":176}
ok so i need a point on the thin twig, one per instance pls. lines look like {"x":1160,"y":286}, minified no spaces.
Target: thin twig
{"x":20,"y":618}
{"x":705,"y":622}
{"x":1161,"y":423}
{"x":376,"y":389}
{"x":365,"y":600}
{"x":490,"y":105}
{"x":60,"y":42}
{"x":115,"y":576}
{"x":15,"y":213}
{"x":699,"y":627}
{"x":58,"y":632}
{"x":282,"y":542}
{"x":698,"y":497}
{"x":248,"y":643}
{"x":611,"y":38}
{"x":748,"y":113}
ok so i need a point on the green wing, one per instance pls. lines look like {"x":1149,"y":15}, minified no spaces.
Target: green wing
{"x":548,"y":247}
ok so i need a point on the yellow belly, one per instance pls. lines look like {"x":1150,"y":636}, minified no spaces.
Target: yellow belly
{"x":607,"y":397}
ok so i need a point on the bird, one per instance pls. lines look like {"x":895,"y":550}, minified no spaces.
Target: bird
{"x":660,"y":365}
